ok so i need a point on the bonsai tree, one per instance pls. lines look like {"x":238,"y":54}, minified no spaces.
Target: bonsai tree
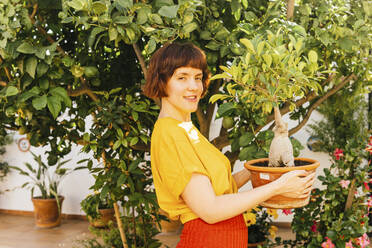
{"x":272,"y":71}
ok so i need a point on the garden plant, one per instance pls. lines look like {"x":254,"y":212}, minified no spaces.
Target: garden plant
{"x":65,"y":61}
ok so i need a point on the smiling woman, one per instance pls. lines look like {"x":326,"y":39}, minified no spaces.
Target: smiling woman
{"x":192,"y":178}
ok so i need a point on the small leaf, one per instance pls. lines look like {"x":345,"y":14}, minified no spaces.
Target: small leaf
{"x":26,"y":48}
{"x":39,"y":102}
{"x":54,"y":105}
{"x":313,"y":56}
{"x":113,"y":33}
{"x":188,"y":28}
{"x":62,"y":93}
{"x":11,"y":91}
{"x":99,"y":8}
{"x":125,"y":3}
{"x":248,"y":44}
{"x":169,"y":11}
{"x":31,"y":64}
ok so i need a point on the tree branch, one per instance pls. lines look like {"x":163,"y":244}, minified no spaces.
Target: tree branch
{"x":290,"y":9}
{"x":286,"y":108}
{"x":140,"y":59}
{"x":222,"y":140}
{"x":329,"y":93}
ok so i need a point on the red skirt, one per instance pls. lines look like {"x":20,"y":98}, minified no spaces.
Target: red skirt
{"x":231,"y":233}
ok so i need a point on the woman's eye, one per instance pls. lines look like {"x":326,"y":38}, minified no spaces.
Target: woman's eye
{"x":199,"y":79}
{"x":181,"y":78}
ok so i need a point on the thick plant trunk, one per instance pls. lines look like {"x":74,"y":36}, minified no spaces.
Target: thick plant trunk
{"x":120,"y":225}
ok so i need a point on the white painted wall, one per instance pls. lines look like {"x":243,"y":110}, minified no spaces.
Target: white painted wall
{"x":76,"y":186}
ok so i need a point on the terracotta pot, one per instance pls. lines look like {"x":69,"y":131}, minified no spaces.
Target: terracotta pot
{"x":262,"y":175}
{"x":106,"y":215}
{"x":46,"y":212}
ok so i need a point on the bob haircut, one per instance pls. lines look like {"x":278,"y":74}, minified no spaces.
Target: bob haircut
{"x":169,"y":58}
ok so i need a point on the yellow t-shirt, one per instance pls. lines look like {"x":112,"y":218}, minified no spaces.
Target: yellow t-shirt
{"x":178,"y":149}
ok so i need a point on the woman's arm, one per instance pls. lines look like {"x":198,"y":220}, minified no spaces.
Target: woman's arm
{"x":201,"y":199}
{"x":241,"y":177}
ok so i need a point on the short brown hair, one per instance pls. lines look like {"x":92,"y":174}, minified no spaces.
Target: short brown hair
{"x":166,"y":60}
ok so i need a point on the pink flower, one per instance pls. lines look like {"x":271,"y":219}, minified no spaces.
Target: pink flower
{"x":314,"y":226}
{"x":369,"y":202}
{"x":338,"y":153}
{"x":349,"y":244}
{"x":363,"y":241}
{"x":369,"y":145}
{"x":344,"y":183}
{"x":366,"y":186}
{"x":287,"y":211}
{"x":328,"y":243}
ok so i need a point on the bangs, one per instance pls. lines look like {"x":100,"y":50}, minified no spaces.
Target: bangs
{"x":182,"y":56}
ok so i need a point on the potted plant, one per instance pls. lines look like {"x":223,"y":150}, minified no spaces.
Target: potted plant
{"x":45,"y":179}
{"x":272,"y":73}
{"x":260,"y":226}
{"x":99,"y":211}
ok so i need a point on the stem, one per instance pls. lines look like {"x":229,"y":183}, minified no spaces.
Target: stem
{"x":335,"y":89}
{"x":290,"y":9}
{"x":350,"y":195}
{"x":141,"y":59}
{"x":120,"y":225}
{"x":134,"y":228}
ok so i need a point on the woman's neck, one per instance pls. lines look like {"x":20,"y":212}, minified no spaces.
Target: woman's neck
{"x":170,"y":111}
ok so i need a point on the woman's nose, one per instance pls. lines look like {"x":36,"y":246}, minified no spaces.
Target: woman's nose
{"x":193,"y":84}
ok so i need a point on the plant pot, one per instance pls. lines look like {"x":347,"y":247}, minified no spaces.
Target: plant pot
{"x":261,"y":175}
{"x":106,"y":215}
{"x":46,"y":212}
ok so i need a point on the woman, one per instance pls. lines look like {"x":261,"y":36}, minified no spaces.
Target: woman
{"x":192,"y":178}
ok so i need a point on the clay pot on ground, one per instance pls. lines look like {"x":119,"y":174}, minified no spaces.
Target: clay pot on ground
{"x":261,"y":174}
{"x":254,"y":245}
{"x":106,"y":215}
{"x":46,"y":212}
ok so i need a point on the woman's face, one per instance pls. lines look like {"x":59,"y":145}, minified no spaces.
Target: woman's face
{"x":184,"y":90}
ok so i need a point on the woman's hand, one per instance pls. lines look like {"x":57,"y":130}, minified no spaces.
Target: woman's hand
{"x":296,"y":184}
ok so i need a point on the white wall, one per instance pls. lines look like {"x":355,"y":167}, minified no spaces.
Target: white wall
{"x":76,"y":186}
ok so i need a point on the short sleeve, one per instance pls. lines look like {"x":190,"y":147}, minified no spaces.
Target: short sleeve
{"x":178,"y":160}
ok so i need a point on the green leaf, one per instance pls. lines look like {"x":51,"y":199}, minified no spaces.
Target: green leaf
{"x":213,"y":45}
{"x":217,"y":97}
{"x":54,"y":105}
{"x":122,"y":179}
{"x":247,"y":153}
{"x":91,"y":39}
{"x":40,"y":102}
{"x":116,"y":144}
{"x":44,"y":83}
{"x":26,"y":48}
{"x":169,"y":11}
{"x":225,"y":109}
{"x":113,"y":33}
{"x":246,"y":139}
{"x":76,"y":4}
{"x":99,"y":8}
{"x":248,"y":44}
{"x":313,"y":56}
{"x":62,"y":93}
{"x":125,"y":3}
{"x":133,"y":141}
{"x":205,"y":35}
{"x":31,"y":64}
{"x":151,"y":46}
{"x":41,"y":69}
{"x":120,"y":133}
{"x":105,"y":190}
{"x":142,"y":14}
{"x":122,"y":19}
{"x":188,"y":28}
{"x":11,"y":91}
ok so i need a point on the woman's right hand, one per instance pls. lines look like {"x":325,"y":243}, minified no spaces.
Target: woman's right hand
{"x":295,"y":184}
